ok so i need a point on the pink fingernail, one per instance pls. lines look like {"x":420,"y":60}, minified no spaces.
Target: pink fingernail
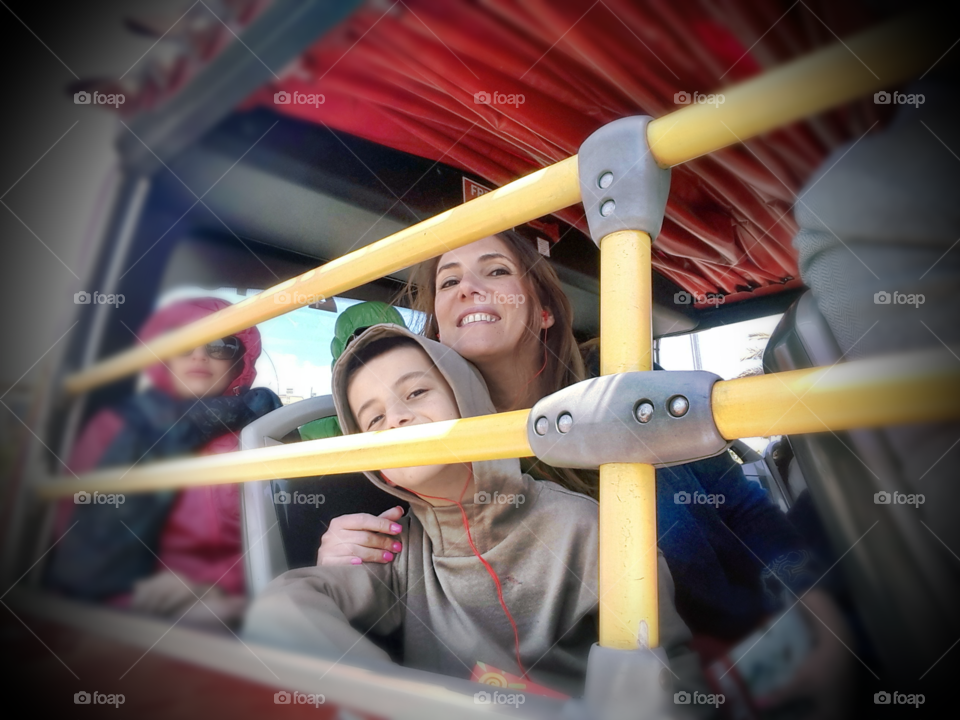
{"x":388,"y":556}
{"x":395,"y":528}
{"x":356,"y":561}
{"x":397,"y":546}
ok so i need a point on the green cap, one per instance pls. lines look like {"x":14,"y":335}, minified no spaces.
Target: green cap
{"x":351,"y":322}
{"x":358,"y":318}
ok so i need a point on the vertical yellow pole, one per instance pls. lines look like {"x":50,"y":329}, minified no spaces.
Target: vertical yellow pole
{"x":628,"y":491}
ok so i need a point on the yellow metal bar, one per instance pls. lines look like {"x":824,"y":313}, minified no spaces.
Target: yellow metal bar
{"x":491,"y":437}
{"x":876,"y":59}
{"x":892,"y":390}
{"x":912,"y":387}
{"x":541,"y":193}
{"x":628,"y":492}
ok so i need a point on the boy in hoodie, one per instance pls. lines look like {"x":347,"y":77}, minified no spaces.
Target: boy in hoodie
{"x":497,"y":570}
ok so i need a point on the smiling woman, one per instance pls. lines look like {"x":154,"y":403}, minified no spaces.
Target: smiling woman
{"x":501,"y":306}
{"x":495,"y":302}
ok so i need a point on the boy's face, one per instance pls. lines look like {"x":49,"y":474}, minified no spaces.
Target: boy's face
{"x":398,"y":388}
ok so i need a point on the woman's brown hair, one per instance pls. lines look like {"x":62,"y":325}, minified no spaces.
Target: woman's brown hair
{"x":564,"y":364}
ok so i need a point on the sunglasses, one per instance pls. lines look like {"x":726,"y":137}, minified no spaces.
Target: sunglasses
{"x":226,"y":348}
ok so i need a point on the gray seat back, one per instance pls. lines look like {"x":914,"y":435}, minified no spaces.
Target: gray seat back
{"x":895,"y":580}
{"x":264,"y":555}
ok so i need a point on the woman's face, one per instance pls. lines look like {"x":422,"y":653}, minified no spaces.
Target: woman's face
{"x":482,"y":301}
{"x":197,"y":375}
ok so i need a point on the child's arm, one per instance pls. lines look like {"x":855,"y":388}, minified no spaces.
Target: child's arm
{"x":329,"y":611}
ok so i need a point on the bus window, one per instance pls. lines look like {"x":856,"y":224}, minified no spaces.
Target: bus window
{"x":730,"y":351}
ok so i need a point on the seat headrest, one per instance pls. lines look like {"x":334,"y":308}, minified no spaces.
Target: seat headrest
{"x":802,"y":339}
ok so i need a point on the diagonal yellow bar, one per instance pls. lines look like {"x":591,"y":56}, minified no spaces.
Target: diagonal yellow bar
{"x":540,"y":193}
{"x":490,"y":437}
{"x":878,"y":58}
{"x":628,"y":491}
{"x":882,"y":57}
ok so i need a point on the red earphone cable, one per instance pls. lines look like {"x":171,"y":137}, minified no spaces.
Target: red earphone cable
{"x":489,"y":568}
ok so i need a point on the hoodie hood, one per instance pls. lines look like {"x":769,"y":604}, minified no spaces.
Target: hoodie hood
{"x":185,"y":312}
{"x":490,"y":520}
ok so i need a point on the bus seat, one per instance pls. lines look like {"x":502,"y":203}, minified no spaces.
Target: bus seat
{"x":280,"y":536}
{"x":894,"y":578}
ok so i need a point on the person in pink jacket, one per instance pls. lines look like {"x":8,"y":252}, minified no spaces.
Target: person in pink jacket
{"x":158,"y":553}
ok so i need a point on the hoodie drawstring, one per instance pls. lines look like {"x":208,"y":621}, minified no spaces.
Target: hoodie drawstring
{"x":489,"y":568}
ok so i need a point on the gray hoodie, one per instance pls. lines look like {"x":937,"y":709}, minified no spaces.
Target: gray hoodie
{"x":436,"y":592}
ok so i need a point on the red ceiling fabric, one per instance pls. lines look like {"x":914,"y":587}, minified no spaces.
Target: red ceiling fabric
{"x":405,"y":74}
{"x":185,"y":43}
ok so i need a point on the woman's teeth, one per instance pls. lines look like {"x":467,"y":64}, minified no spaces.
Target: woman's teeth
{"x":478,"y":317}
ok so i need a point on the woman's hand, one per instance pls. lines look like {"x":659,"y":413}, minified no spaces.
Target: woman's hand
{"x":825,"y":677}
{"x":359,"y":538}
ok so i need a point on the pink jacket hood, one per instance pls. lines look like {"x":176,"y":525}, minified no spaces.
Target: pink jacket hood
{"x":184,"y":312}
